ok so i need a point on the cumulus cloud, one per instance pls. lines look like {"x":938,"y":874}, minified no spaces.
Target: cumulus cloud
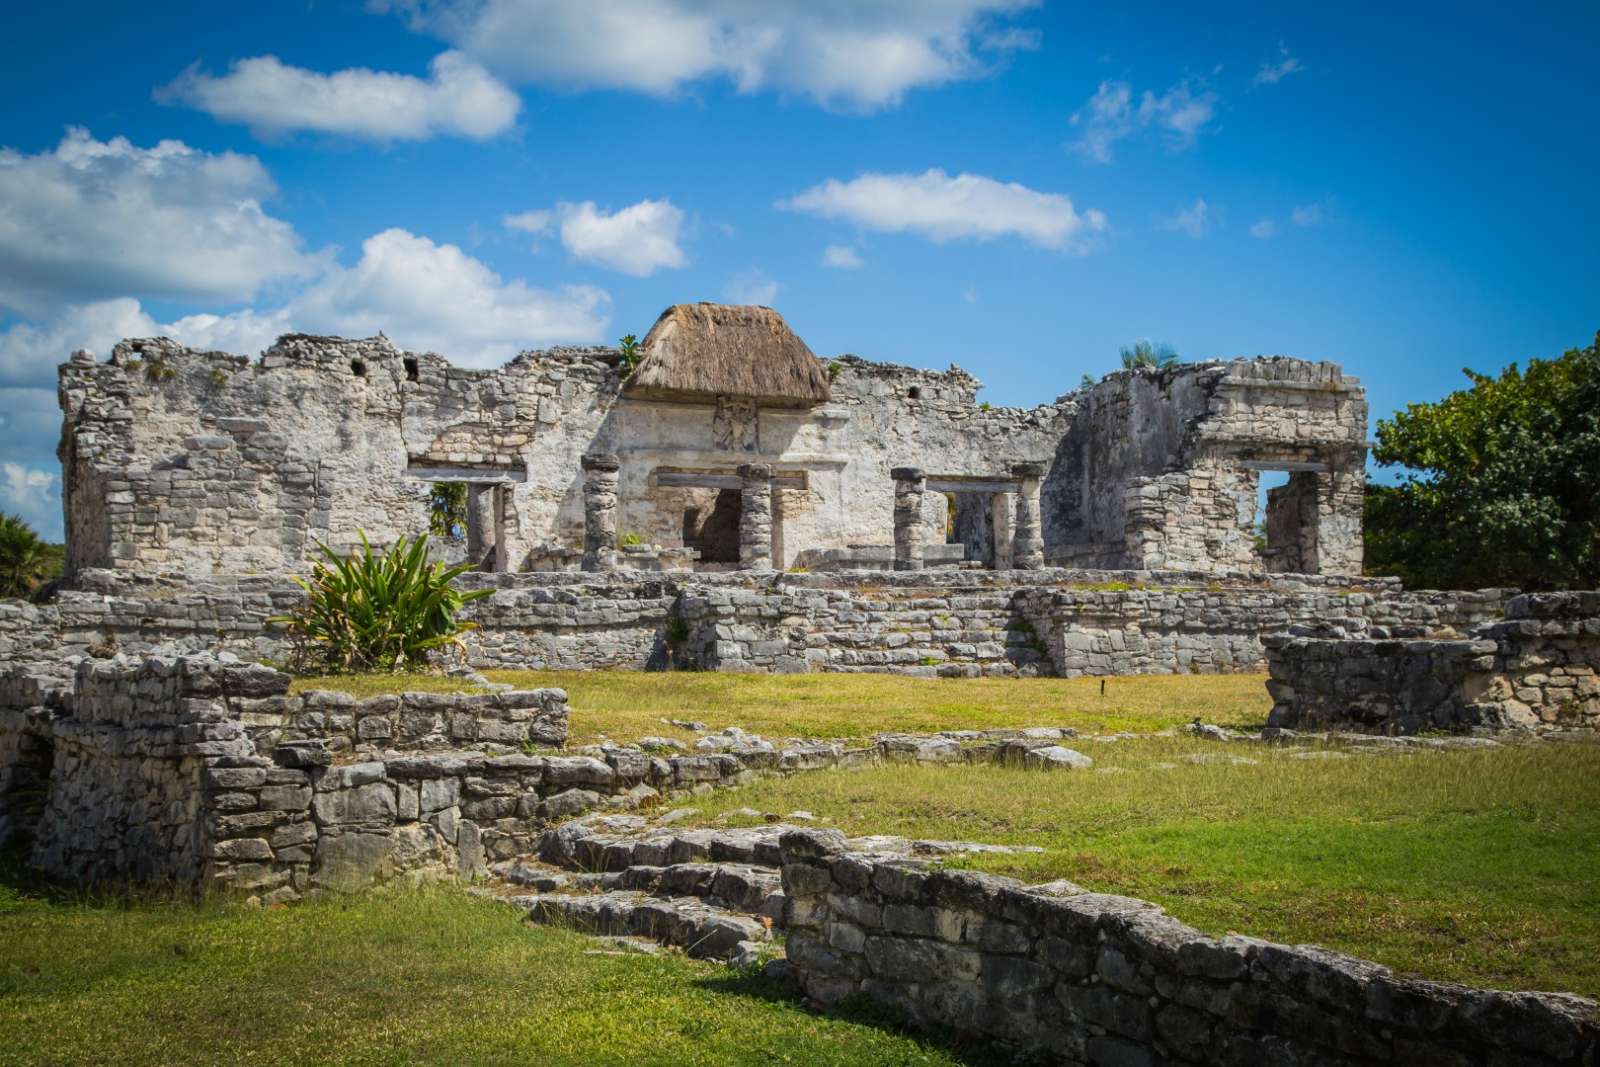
{"x":1273,"y":73}
{"x":1262,"y":229}
{"x":637,"y":240}
{"x":751,"y":287}
{"x":942,"y":208}
{"x":457,"y":98}
{"x":860,"y":56}
{"x":1194,"y":220}
{"x":34,"y":494}
{"x":421,"y":294}
{"x":1181,"y":114}
{"x":841,"y":257}
{"x":94,"y":219}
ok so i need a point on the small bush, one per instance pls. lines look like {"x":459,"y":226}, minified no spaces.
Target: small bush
{"x":377,"y":612}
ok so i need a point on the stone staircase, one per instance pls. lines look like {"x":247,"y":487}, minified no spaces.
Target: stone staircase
{"x":714,"y":893}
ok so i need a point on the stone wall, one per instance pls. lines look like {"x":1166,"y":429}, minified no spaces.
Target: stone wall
{"x":197,"y":771}
{"x":931,"y":622}
{"x":1161,"y":469}
{"x":1087,"y":978}
{"x":1538,"y":669}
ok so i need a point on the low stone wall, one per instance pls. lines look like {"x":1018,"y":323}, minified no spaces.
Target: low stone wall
{"x":1087,"y":978}
{"x":943,"y":622}
{"x":403,"y":722}
{"x":1538,"y":669}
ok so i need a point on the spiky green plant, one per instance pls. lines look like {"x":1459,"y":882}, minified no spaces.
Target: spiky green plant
{"x":372,"y":611}
{"x":1143,"y":354}
{"x":632,"y":353}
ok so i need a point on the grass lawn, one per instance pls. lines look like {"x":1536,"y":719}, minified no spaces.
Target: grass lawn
{"x":626,"y":705}
{"x":1478,"y":866}
{"x":403,"y":977}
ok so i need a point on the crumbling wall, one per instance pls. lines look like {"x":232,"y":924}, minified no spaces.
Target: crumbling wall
{"x":1089,"y":978}
{"x":1161,"y":468}
{"x":1538,"y":670}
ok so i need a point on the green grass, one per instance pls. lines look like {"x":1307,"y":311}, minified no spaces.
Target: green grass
{"x":625,"y":705}
{"x":1478,"y":866}
{"x":402,"y":977}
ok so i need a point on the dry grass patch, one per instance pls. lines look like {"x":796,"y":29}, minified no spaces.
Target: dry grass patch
{"x":626,"y":705}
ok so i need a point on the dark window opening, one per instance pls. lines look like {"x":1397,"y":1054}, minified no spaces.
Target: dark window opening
{"x":358,"y":368}
{"x":411,"y":369}
{"x":915,"y":393}
{"x":717,"y":534}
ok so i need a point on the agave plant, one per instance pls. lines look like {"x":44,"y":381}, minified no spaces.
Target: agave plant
{"x":373,"y":611}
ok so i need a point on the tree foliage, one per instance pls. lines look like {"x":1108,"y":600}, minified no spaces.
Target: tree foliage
{"x":447,"y":510}
{"x":377,"y":611}
{"x":1501,"y":482}
{"x":1144,"y":354}
{"x":27,"y":561}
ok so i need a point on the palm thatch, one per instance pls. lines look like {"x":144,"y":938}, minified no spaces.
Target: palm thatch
{"x":696,"y":352}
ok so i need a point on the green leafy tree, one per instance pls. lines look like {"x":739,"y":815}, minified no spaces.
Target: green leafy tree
{"x":447,"y":509}
{"x":1499,"y":482}
{"x":1146,"y":355}
{"x":27,"y":561}
{"x":373,"y":611}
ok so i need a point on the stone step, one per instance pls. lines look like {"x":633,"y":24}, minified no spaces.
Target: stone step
{"x":701,"y":929}
{"x":741,"y":887}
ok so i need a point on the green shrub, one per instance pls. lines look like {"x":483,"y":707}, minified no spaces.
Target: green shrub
{"x":377,"y":612}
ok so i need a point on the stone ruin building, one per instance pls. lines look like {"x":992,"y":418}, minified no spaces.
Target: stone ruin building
{"x":721,"y":498}
{"x":730,"y":446}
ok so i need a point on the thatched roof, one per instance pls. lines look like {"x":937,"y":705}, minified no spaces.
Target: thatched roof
{"x":696,"y":352}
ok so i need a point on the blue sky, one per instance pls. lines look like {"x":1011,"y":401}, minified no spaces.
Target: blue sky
{"x":1018,"y":188}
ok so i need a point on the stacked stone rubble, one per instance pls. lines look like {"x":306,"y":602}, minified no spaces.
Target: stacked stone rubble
{"x":1538,"y":669}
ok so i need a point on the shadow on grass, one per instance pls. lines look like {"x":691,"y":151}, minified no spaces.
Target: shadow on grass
{"x":863,"y":1011}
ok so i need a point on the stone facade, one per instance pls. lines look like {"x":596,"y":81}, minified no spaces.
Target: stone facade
{"x":1538,"y":669}
{"x":1088,"y":978}
{"x":204,"y":463}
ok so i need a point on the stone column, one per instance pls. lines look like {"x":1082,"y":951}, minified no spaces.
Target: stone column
{"x":599,"y":508}
{"x":481,"y":521}
{"x":1027,"y":544}
{"x":909,"y":483}
{"x":755,"y":516}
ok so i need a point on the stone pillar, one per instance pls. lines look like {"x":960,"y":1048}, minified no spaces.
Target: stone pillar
{"x":909,"y":483}
{"x":599,"y":508}
{"x":755,"y":516}
{"x":482,"y":516}
{"x":1000,"y":516}
{"x":1027,"y":544}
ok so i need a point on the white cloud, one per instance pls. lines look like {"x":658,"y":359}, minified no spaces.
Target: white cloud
{"x":96,"y":219}
{"x":458,"y":98}
{"x":29,"y":353}
{"x":861,"y":56}
{"x":751,"y":287}
{"x":434,"y":296}
{"x":1181,"y":114}
{"x":1273,"y":73}
{"x":1194,"y":220}
{"x":841,"y":257}
{"x":1263,"y":228}
{"x":942,"y":208}
{"x":421,"y":294}
{"x":33,"y":494}
{"x":1308,"y":215}
{"x":637,"y":240}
